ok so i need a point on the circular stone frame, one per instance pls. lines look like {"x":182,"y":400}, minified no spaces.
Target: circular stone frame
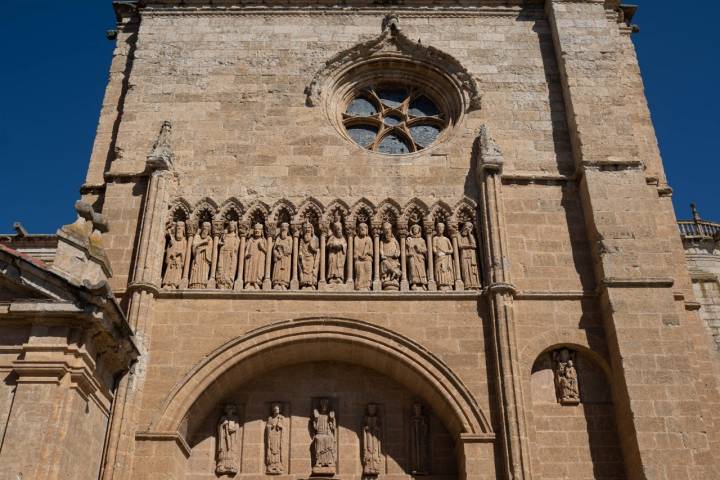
{"x":441,"y":88}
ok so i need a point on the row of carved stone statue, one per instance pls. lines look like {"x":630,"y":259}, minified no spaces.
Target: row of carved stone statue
{"x":324,"y":440}
{"x":349,"y":254}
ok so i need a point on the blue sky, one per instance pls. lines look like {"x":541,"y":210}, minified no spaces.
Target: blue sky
{"x":55,"y":67}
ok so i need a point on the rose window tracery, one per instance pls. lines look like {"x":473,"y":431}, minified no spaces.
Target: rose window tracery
{"x":393,"y":119}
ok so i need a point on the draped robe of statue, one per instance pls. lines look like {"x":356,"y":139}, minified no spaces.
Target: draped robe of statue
{"x":324,"y":428}
{"x":363,"y":253}
{"x":282,"y":255}
{"x":202,"y":259}
{"x":419,"y":442}
{"x":390,"y":264}
{"x":417,"y":254}
{"x":227,"y":259}
{"x":371,"y":444}
{"x":227,"y":432}
{"x":444,"y":273}
{"x":274,"y":438}
{"x":337,"y":252}
{"x":468,"y":260}
{"x":175,"y":260}
{"x":255,"y":249}
{"x":308,"y":261}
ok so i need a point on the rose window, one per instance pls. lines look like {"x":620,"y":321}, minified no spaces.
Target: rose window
{"x":393,"y":120}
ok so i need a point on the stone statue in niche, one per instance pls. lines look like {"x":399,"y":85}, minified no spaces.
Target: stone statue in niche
{"x":363,"y":256}
{"x":175,"y":256}
{"x":282,"y":258}
{"x":443,"y":250}
{"x":389,"y":259}
{"x":228,"y":257}
{"x":255,"y":250}
{"x":336,"y":247}
{"x":308,"y":258}
{"x":566,"y":378}
{"x":372,"y":432}
{"x":324,"y":429}
{"x":417,"y":259}
{"x":468,"y":257}
{"x":227,"y":434}
{"x":274,"y":431}
{"x":202,"y":250}
{"x":419,"y":441}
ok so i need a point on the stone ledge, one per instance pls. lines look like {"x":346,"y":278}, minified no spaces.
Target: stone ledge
{"x":165,"y":437}
{"x":320,"y":295}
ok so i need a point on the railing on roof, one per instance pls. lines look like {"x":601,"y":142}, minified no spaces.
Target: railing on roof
{"x":697,"y":227}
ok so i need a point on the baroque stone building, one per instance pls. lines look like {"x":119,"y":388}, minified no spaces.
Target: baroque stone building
{"x":363,"y":239}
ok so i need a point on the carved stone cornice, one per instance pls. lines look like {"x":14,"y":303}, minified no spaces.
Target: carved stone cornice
{"x":147,"y":436}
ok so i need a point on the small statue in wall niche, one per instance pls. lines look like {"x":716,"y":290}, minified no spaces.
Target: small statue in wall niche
{"x":419,"y":441}
{"x":389,"y":259}
{"x":363,"y":256}
{"x":227,"y":433}
{"x":372,"y":432}
{"x":282,"y":258}
{"x":417,"y":259}
{"x":468,"y":257}
{"x":202,"y":250}
{"x":175,"y":256}
{"x":228,"y":257}
{"x":443,"y":251}
{"x":255,"y":251}
{"x":566,"y":378}
{"x":337,"y":252}
{"x":274,"y":431}
{"x":308,"y":258}
{"x":324,"y":429}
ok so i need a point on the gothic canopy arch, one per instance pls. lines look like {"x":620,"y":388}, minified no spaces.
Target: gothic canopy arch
{"x":323,"y":339}
{"x":393,"y":50}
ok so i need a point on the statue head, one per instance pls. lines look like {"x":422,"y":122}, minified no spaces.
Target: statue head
{"x":284,"y":227}
{"x":275,"y":410}
{"x":440,"y":228}
{"x":415,"y":230}
{"x":417,"y":408}
{"x":230,"y":410}
{"x":257,"y":230}
{"x":324,"y":405}
{"x":362,"y":230}
{"x":372,"y":409}
{"x":308,"y":229}
{"x":387,"y":230}
{"x":467,"y":228}
{"x":337,"y":229}
{"x":233,"y":227}
{"x":205,"y":230}
{"x":179,"y":230}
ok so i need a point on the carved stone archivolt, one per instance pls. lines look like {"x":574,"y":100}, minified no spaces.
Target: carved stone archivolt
{"x":312,"y":247}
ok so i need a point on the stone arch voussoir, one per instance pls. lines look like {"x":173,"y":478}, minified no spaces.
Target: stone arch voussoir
{"x":291,"y":342}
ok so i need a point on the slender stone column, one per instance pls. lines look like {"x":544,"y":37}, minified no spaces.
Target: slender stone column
{"x":459,"y":286}
{"x":322,"y":283}
{"x":402,"y":233}
{"x":350,"y":262}
{"x":243,"y":229}
{"x":217,"y":226}
{"x":294,"y":282}
{"x":376,"y":229}
{"x":429,"y":226}
{"x":267,"y":282}
{"x":501,"y":293}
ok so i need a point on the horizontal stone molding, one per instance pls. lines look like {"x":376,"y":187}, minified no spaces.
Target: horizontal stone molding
{"x":560,"y":295}
{"x":322,"y":295}
{"x":642,"y":282}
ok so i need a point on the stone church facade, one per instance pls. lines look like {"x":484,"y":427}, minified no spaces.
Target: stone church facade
{"x":363,"y":240}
